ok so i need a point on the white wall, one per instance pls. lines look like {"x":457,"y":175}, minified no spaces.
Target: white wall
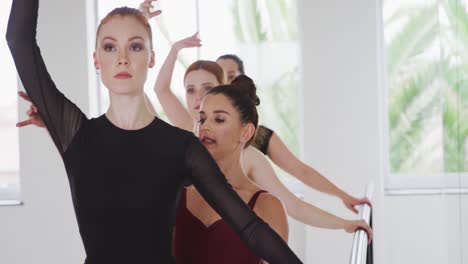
{"x":341,"y":111}
{"x":426,"y":229}
{"x":44,"y":230}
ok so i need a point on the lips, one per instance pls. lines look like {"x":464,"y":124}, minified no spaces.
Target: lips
{"x":197,"y":107}
{"x":123,"y":75}
{"x":207,"y":141}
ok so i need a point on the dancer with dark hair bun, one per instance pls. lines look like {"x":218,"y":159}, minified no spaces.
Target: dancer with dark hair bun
{"x":227,"y":123}
{"x":199,"y":78}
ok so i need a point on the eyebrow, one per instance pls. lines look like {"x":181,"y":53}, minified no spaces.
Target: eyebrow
{"x":135,"y":37}
{"x":216,"y":112}
{"x":111,"y":38}
{"x":130,"y":39}
{"x":220,"y":112}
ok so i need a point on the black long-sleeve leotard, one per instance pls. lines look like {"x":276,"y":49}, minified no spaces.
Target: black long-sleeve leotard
{"x":125,"y":183}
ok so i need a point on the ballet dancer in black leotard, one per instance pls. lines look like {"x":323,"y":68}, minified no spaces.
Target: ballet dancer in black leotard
{"x":126,"y":167}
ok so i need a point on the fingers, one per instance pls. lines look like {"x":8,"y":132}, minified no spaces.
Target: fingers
{"x":24,"y":96}
{"x":24,"y":123}
{"x":195,"y":37}
{"x":155,"y":13}
{"x":352,"y":208}
{"x":355,"y":201}
{"x":189,"y":42}
{"x":366,"y":201}
{"x":350,"y":205}
{"x":361,"y":224}
{"x":32,"y":111}
{"x":369,"y":231}
{"x":146,"y":6}
{"x":192,"y":41}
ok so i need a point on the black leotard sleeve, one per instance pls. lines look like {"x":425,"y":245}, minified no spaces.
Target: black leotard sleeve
{"x":213,"y":186}
{"x":61,"y":117}
{"x":262,"y":139}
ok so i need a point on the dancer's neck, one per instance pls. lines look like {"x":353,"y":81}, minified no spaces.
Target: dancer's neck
{"x":129,"y":111}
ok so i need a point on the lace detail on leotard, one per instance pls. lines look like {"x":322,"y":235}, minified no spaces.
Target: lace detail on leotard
{"x":262,"y":139}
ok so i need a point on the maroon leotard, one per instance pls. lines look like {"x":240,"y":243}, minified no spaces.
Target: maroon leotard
{"x":195,"y":243}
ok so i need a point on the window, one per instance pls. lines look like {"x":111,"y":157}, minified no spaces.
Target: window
{"x":427,"y":93}
{"x":262,"y":33}
{"x":9,"y":142}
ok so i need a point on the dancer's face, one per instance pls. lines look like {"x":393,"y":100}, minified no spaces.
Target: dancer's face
{"x":197,"y":83}
{"x":230,"y":67}
{"x":123,"y":55}
{"x":220,"y":128}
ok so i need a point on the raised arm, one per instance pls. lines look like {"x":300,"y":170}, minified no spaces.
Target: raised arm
{"x":60,"y":116}
{"x":175,"y":111}
{"x":213,"y":186}
{"x":286,"y":160}
{"x":260,"y":170}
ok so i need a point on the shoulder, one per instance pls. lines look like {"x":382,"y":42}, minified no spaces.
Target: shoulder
{"x":253,"y":155}
{"x":251,"y":158}
{"x":272,"y":211}
{"x":252,"y":151}
{"x":269,"y":206}
{"x":256,"y":165}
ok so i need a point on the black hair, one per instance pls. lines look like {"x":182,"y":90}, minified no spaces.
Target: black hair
{"x":242,"y":93}
{"x":240,"y":63}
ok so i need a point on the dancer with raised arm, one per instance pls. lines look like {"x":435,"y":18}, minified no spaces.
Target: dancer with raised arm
{"x":127,"y":167}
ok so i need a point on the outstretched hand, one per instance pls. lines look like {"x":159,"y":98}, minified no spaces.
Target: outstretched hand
{"x":350,"y":202}
{"x":145,"y":8}
{"x":32,"y":113}
{"x":190,"y":42}
{"x":352,"y":226}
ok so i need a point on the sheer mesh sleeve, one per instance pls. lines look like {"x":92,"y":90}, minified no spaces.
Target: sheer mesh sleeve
{"x":262,"y":139}
{"x":61,"y":117}
{"x":213,"y":186}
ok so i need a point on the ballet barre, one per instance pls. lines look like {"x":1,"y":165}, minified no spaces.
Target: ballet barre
{"x":362,"y":251}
